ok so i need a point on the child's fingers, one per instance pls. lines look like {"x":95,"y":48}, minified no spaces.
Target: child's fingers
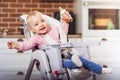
{"x":67,"y":18}
{"x":10,"y":44}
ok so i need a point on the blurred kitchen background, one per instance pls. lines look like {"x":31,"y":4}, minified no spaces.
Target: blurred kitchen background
{"x":93,"y":21}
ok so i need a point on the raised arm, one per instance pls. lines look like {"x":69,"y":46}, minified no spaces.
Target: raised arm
{"x":65,"y":19}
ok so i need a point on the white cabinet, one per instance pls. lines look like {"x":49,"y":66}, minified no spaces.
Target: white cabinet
{"x":13,"y":61}
{"x":10,"y":59}
{"x":102,"y":39}
{"x":14,"y":65}
{"x":74,"y":39}
{"x":16,"y":75}
{"x":108,"y":53}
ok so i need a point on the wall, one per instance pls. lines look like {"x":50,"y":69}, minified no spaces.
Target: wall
{"x":10,"y":10}
{"x":78,"y":10}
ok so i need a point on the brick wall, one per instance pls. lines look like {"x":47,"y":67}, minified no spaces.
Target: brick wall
{"x":10,"y":10}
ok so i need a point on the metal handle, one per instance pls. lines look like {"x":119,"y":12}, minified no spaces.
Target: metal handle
{"x":103,"y":39}
{"x":20,"y":39}
{"x":20,"y":73}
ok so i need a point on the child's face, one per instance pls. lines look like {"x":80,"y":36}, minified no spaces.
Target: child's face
{"x":38,"y":25}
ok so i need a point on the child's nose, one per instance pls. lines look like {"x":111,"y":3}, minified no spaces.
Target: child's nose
{"x":41,"y":25}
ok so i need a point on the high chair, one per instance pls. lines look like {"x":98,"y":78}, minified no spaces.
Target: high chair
{"x":51,"y":68}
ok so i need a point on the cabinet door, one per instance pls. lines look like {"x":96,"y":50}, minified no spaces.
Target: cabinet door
{"x":14,"y":64}
{"x":74,"y":40}
{"x":18,"y":75}
{"x":10,"y":59}
{"x":14,"y":61}
{"x":107,"y":53}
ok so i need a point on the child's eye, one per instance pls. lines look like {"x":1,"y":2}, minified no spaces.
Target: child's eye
{"x":36,"y":24}
{"x":42,"y":20}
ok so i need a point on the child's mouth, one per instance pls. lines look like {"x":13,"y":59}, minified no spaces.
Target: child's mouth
{"x":42,"y":28}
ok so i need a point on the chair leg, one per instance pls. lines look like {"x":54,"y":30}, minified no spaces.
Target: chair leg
{"x":94,"y":77}
{"x":29,"y":71}
{"x":67,"y":73}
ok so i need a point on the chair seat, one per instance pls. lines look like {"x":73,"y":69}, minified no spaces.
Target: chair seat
{"x":79,"y":74}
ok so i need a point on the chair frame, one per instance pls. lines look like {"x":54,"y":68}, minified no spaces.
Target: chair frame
{"x":33,"y":61}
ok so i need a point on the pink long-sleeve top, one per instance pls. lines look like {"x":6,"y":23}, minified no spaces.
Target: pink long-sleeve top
{"x":39,"y":40}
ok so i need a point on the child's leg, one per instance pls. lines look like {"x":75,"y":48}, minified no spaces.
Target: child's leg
{"x":76,"y":60}
{"x":67,"y":63}
{"x":91,"y":65}
{"x":94,"y":67}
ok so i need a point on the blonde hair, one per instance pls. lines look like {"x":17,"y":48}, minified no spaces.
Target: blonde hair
{"x":33,"y":13}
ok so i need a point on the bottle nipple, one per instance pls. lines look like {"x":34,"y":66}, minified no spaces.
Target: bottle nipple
{"x":62,"y":10}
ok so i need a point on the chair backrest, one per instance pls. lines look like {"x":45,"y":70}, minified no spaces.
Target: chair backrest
{"x":26,"y":31}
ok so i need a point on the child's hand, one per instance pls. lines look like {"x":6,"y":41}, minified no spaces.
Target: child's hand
{"x":65,"y":16}
{"x":12,"y":45}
